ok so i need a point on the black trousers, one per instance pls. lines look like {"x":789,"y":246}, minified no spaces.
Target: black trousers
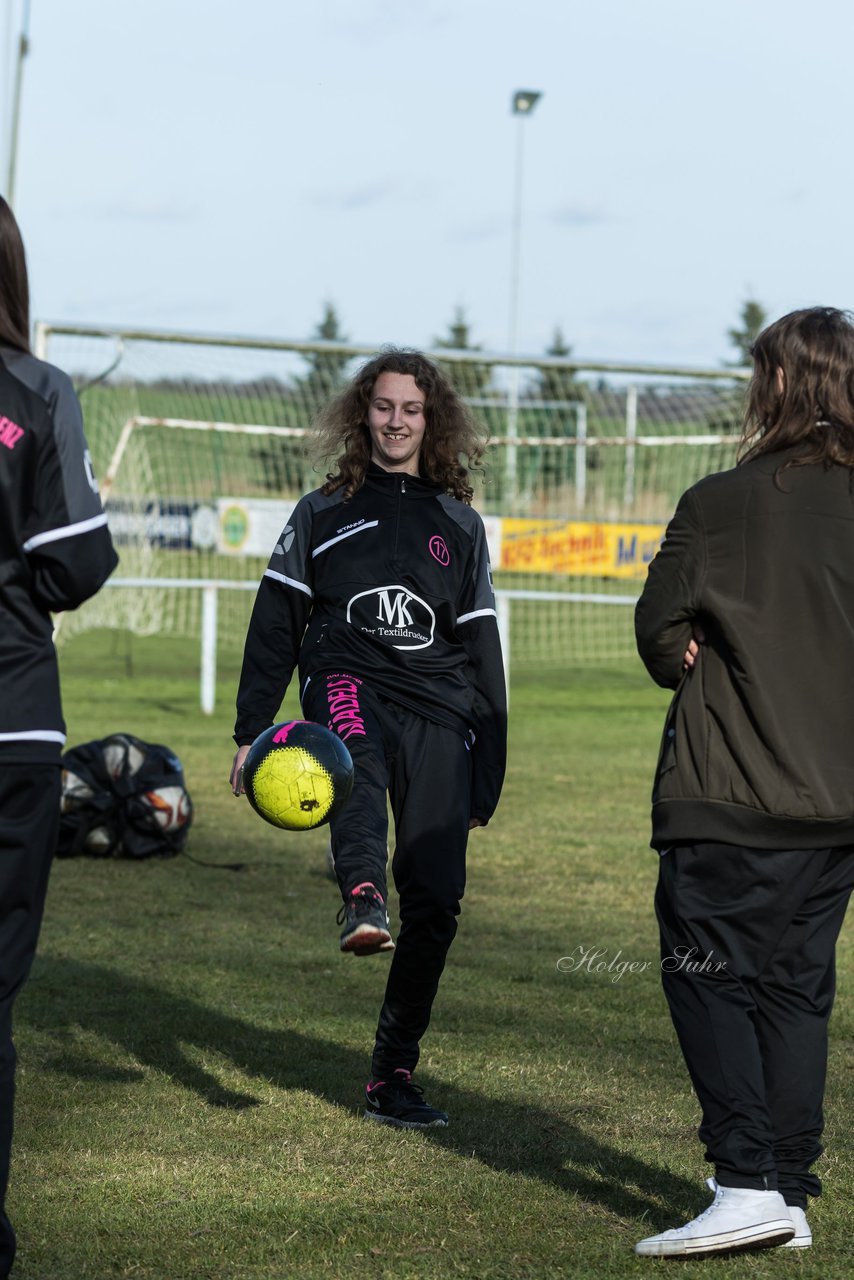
{"x":29,"y":818}
{"x":748,"y":942}
{"x":425,"y":770}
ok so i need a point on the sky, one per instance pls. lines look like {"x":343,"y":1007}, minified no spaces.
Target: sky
{"x":230,"y":168}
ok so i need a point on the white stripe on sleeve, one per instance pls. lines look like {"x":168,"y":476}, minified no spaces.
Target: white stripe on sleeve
{"x":289,"y":582}
{"x":34,"y":735}
{"x":478,"y":613}
{"x":67,"y":531}
{"x":360,"y":528}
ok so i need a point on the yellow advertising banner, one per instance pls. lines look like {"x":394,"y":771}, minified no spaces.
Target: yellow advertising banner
{"x":578,"y":547}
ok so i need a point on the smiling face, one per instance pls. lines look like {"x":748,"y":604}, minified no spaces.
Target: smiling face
{"x":396,"y":422}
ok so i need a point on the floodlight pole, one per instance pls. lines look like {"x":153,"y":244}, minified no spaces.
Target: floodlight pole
{"x":524,"y":101}
{"x":23,"y":50}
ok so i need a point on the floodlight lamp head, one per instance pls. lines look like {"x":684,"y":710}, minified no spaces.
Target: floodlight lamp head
{"x":524,"y":101}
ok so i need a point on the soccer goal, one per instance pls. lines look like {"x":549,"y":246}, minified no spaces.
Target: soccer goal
{"x":202,"y":444}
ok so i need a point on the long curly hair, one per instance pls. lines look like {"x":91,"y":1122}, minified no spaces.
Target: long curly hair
{"x":451,"y":433}
{"x":801,"y":394}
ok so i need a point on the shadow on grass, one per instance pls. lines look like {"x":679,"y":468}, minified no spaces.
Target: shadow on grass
{"x":153,"y":1025}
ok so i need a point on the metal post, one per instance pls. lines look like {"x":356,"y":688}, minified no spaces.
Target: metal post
{"x":631,"y":447}
{"x":524,"y":101}
{"x":23,"y":50}
{"x":7,"y":76}
{"x":510,"y":459}
{"x":581,"y":455}
{"x":515,"y":261}
{"x":40,"y":339}
{"x":209,"y":626}
{"x":502,"y":613}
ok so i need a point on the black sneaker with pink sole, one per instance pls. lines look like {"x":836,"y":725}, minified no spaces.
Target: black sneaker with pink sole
{"x":365,"y":921}
{"x":399,"y":1102}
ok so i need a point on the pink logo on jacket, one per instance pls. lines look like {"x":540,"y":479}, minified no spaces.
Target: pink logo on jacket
{"x":10,"y":432}
{"x":439,"y":550}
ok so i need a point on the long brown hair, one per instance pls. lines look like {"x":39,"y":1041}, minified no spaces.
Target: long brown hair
{"x":801,"y":395}
{"x":14,"y":285}
{"x":451,"y":432}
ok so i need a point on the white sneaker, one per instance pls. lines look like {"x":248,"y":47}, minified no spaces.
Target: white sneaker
{"x":802,"y":1239}
{"x":738,"y":1218}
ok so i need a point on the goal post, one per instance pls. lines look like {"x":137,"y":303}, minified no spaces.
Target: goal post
{"x":201,"y":446}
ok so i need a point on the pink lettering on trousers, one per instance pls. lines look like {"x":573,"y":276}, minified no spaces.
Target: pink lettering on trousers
{"x":10,"y":432}
{"x":345,"y":714}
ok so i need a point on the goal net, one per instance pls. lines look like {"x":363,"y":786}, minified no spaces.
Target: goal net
{"x":202,"y":447}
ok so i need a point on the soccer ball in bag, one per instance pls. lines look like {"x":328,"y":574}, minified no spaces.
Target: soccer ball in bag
{"x":170,"y":807}
{"x":75,"y":792}
{"x":297,"y":775}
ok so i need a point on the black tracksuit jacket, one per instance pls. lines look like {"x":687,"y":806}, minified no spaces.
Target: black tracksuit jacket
{"x":55,"y":549}
{"x":392,"y":586}
{"x":758,"y":746}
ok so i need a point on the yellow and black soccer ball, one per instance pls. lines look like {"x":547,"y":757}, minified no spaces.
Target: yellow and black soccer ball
{"x":297,"y":775}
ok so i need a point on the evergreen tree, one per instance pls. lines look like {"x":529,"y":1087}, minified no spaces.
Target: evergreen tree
{"x":753,"y":320}
{"x":559,"y":388}
{"x":555,"y":383}
{"x":327,"y":369}
{"x":470,"y":379}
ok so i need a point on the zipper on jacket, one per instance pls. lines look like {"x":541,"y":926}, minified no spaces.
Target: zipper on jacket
{"x":401,"y":490}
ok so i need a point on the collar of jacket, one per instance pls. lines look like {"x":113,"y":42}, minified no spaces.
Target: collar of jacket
{"x":378,"y":478}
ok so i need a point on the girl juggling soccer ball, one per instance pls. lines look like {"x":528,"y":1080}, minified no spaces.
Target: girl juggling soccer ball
{"x":379,"y":591}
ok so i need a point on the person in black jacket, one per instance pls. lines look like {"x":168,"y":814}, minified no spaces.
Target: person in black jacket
{"x":380,"y":590}
{"x":748,"y":613}
{"x":55,"y":552}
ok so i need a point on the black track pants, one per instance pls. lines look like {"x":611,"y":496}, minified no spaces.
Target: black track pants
{"x":748,"y":939}
{"x":425,"y":769}
{"x":29,"y":818}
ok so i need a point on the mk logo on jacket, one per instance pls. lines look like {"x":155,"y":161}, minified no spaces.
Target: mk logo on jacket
{"x":394,"y":611}
{"x":10,"y":432}
{"x":395,"y":615}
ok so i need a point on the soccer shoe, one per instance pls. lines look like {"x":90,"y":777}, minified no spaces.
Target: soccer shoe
{"x":365,"y":921}
{"x":802,"y":1239}
{"x":738,"y":1219}
{"x":400,"y":1102}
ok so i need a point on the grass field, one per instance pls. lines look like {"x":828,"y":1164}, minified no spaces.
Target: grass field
{"x":193,"y":1046}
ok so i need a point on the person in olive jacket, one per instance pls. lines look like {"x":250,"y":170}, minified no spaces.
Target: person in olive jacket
{"x":748,"y":613}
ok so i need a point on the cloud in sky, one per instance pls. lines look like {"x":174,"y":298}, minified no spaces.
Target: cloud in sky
{"x":577,"y":215}
{"x":487,"y":228}
{"x":344,"y":199}
{"x":142,"y":210}
{"x":383,"y":192}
